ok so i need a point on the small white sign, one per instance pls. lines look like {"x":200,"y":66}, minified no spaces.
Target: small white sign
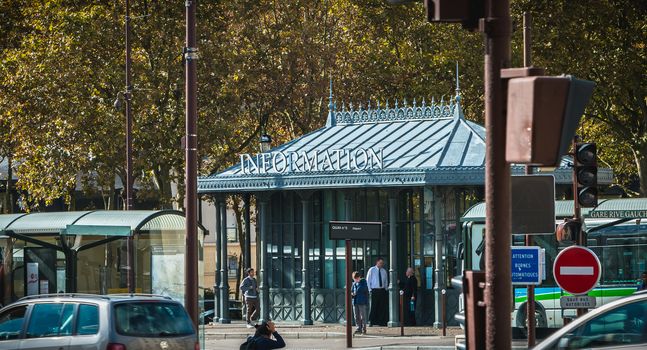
{"x":577,"y":302}
{"x":32,"y":278}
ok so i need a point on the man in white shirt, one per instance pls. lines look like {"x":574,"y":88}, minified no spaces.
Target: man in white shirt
{"x":378,"y":280}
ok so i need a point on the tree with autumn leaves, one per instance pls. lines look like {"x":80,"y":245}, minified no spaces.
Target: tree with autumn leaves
{"x":63,"y":65}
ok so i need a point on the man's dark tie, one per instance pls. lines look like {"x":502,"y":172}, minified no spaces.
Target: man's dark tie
{"x":379,"y":275}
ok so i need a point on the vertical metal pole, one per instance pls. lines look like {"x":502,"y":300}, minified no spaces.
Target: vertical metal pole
{"x":402,"y":313}
{"x":577,"y":212}
{"x":530,"y":305}
{"x":190,"y":178}
{"x":438,"y":247}
{"x":305,"y":258}
{"x":527,"y":40}
{"x":496,"y":27}
{"x":530,"y":289}
{"x":349,"y":311}
{"x":224,"y":268}
{"x":264,"y":269}
{"x":216,"y":284}
{"x":444,"y":311}
{"x":130,"y":251}
{"x":394,"y":315}
{"x":247,"y":257}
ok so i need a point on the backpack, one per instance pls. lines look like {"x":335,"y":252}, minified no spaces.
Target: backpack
{"x":249,"y":344}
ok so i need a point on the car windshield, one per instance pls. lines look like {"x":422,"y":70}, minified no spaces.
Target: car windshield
{"x":152,"y":319}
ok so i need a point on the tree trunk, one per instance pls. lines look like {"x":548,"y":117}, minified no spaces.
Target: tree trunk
{"x":640,"y":155}
{"x":8,"y":196}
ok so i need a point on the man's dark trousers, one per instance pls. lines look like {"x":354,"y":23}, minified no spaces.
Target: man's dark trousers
{"x":379,"y":315}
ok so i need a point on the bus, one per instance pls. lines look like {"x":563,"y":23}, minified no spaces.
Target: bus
{"x":616,"y":230}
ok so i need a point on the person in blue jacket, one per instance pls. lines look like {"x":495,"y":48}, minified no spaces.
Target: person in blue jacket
{"x":643,"y":281}
{"x":359,"y":292}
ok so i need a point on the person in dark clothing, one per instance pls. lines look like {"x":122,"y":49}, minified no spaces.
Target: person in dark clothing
{"x":377,"y":279}
{"x":263,"y":337}
{"x":643,"y":281}
{"x":410,"y":288}
{"x":249,"y":287}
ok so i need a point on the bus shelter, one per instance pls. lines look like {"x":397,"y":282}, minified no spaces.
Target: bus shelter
{"x":413,"y":167}
{"x":86,"y":252}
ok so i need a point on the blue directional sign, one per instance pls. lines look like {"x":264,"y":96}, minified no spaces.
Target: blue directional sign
{"x":526,"y":265}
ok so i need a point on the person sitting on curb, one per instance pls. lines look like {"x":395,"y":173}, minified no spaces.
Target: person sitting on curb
{"x":262,"y":339}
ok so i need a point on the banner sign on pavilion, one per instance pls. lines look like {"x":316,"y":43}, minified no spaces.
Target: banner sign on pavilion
{"x":359,"y":159}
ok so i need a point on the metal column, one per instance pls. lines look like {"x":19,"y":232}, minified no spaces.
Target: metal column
{"x":264,"y":270}
{"x":216,"y":285}
{"x":224,"y":278}
{"x":306,"y":204}
{"x":394,"y":301}
{"x":438,"y":246}
{"x":247,"y":253}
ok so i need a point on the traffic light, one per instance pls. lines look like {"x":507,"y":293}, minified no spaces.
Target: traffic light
{"x":467,"y":12}
{"x":542,"y":115}
{"x":586,"y":174}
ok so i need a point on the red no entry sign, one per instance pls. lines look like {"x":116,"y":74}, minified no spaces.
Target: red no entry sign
{"x":576,"y":270}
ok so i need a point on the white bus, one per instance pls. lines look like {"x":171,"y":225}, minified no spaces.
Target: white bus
{"x":616,"y":230}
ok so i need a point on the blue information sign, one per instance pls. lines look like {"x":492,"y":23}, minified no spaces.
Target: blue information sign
{"x":526,"y":265}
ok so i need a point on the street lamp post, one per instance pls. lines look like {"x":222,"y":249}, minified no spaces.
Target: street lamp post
{"x":127,"y":95}
{"x":190,"y":178}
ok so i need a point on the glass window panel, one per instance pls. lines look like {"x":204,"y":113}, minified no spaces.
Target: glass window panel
{"x":623,"y":325}
{"x":152,"y":320}
{"x":11,"y":323}
{"x":88,"y":319}
{"x":45,"y":320}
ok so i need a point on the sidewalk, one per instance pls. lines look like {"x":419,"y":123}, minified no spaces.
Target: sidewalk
{"x":333,"y":336}
{"x":294,"y":330}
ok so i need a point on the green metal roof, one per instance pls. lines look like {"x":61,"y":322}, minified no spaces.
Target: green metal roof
{"x":563,"y":209}
{"x":414,"y":145}
{"x":101,"y":222}
{"x":623,"y":208}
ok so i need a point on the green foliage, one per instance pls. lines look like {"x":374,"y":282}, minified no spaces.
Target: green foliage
{"x":63,"y":65}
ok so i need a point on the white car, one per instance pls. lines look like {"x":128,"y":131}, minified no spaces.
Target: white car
{"x":621,"y":324}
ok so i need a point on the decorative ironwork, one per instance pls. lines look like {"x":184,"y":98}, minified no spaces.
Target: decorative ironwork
{"x":397,"y":113}
{"x":285,"y":304}
{"x":327,"y":305}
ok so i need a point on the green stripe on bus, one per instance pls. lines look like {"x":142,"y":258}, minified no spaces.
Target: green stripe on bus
{"x":598,"y":293}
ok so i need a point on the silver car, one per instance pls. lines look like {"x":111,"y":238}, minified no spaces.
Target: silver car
{"x":101,"y":322}
{"x":621,"y":324}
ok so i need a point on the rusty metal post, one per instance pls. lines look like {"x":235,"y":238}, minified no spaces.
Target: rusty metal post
{"x":444,"y":310}
{"x":349,"y":283}
{"x":402,"y":313}
{"x":527,"y":40}
{"x":496,"y":27}
{"x":530,"y":289}
{"x":191,"y":156}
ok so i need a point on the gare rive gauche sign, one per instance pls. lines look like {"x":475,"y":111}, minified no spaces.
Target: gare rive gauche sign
{"x":281,"y":162}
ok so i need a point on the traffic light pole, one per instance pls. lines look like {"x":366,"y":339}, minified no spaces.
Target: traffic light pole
{"x":496,"y":27}
{"x":577,"y":211}
{"x":530,"y":289}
